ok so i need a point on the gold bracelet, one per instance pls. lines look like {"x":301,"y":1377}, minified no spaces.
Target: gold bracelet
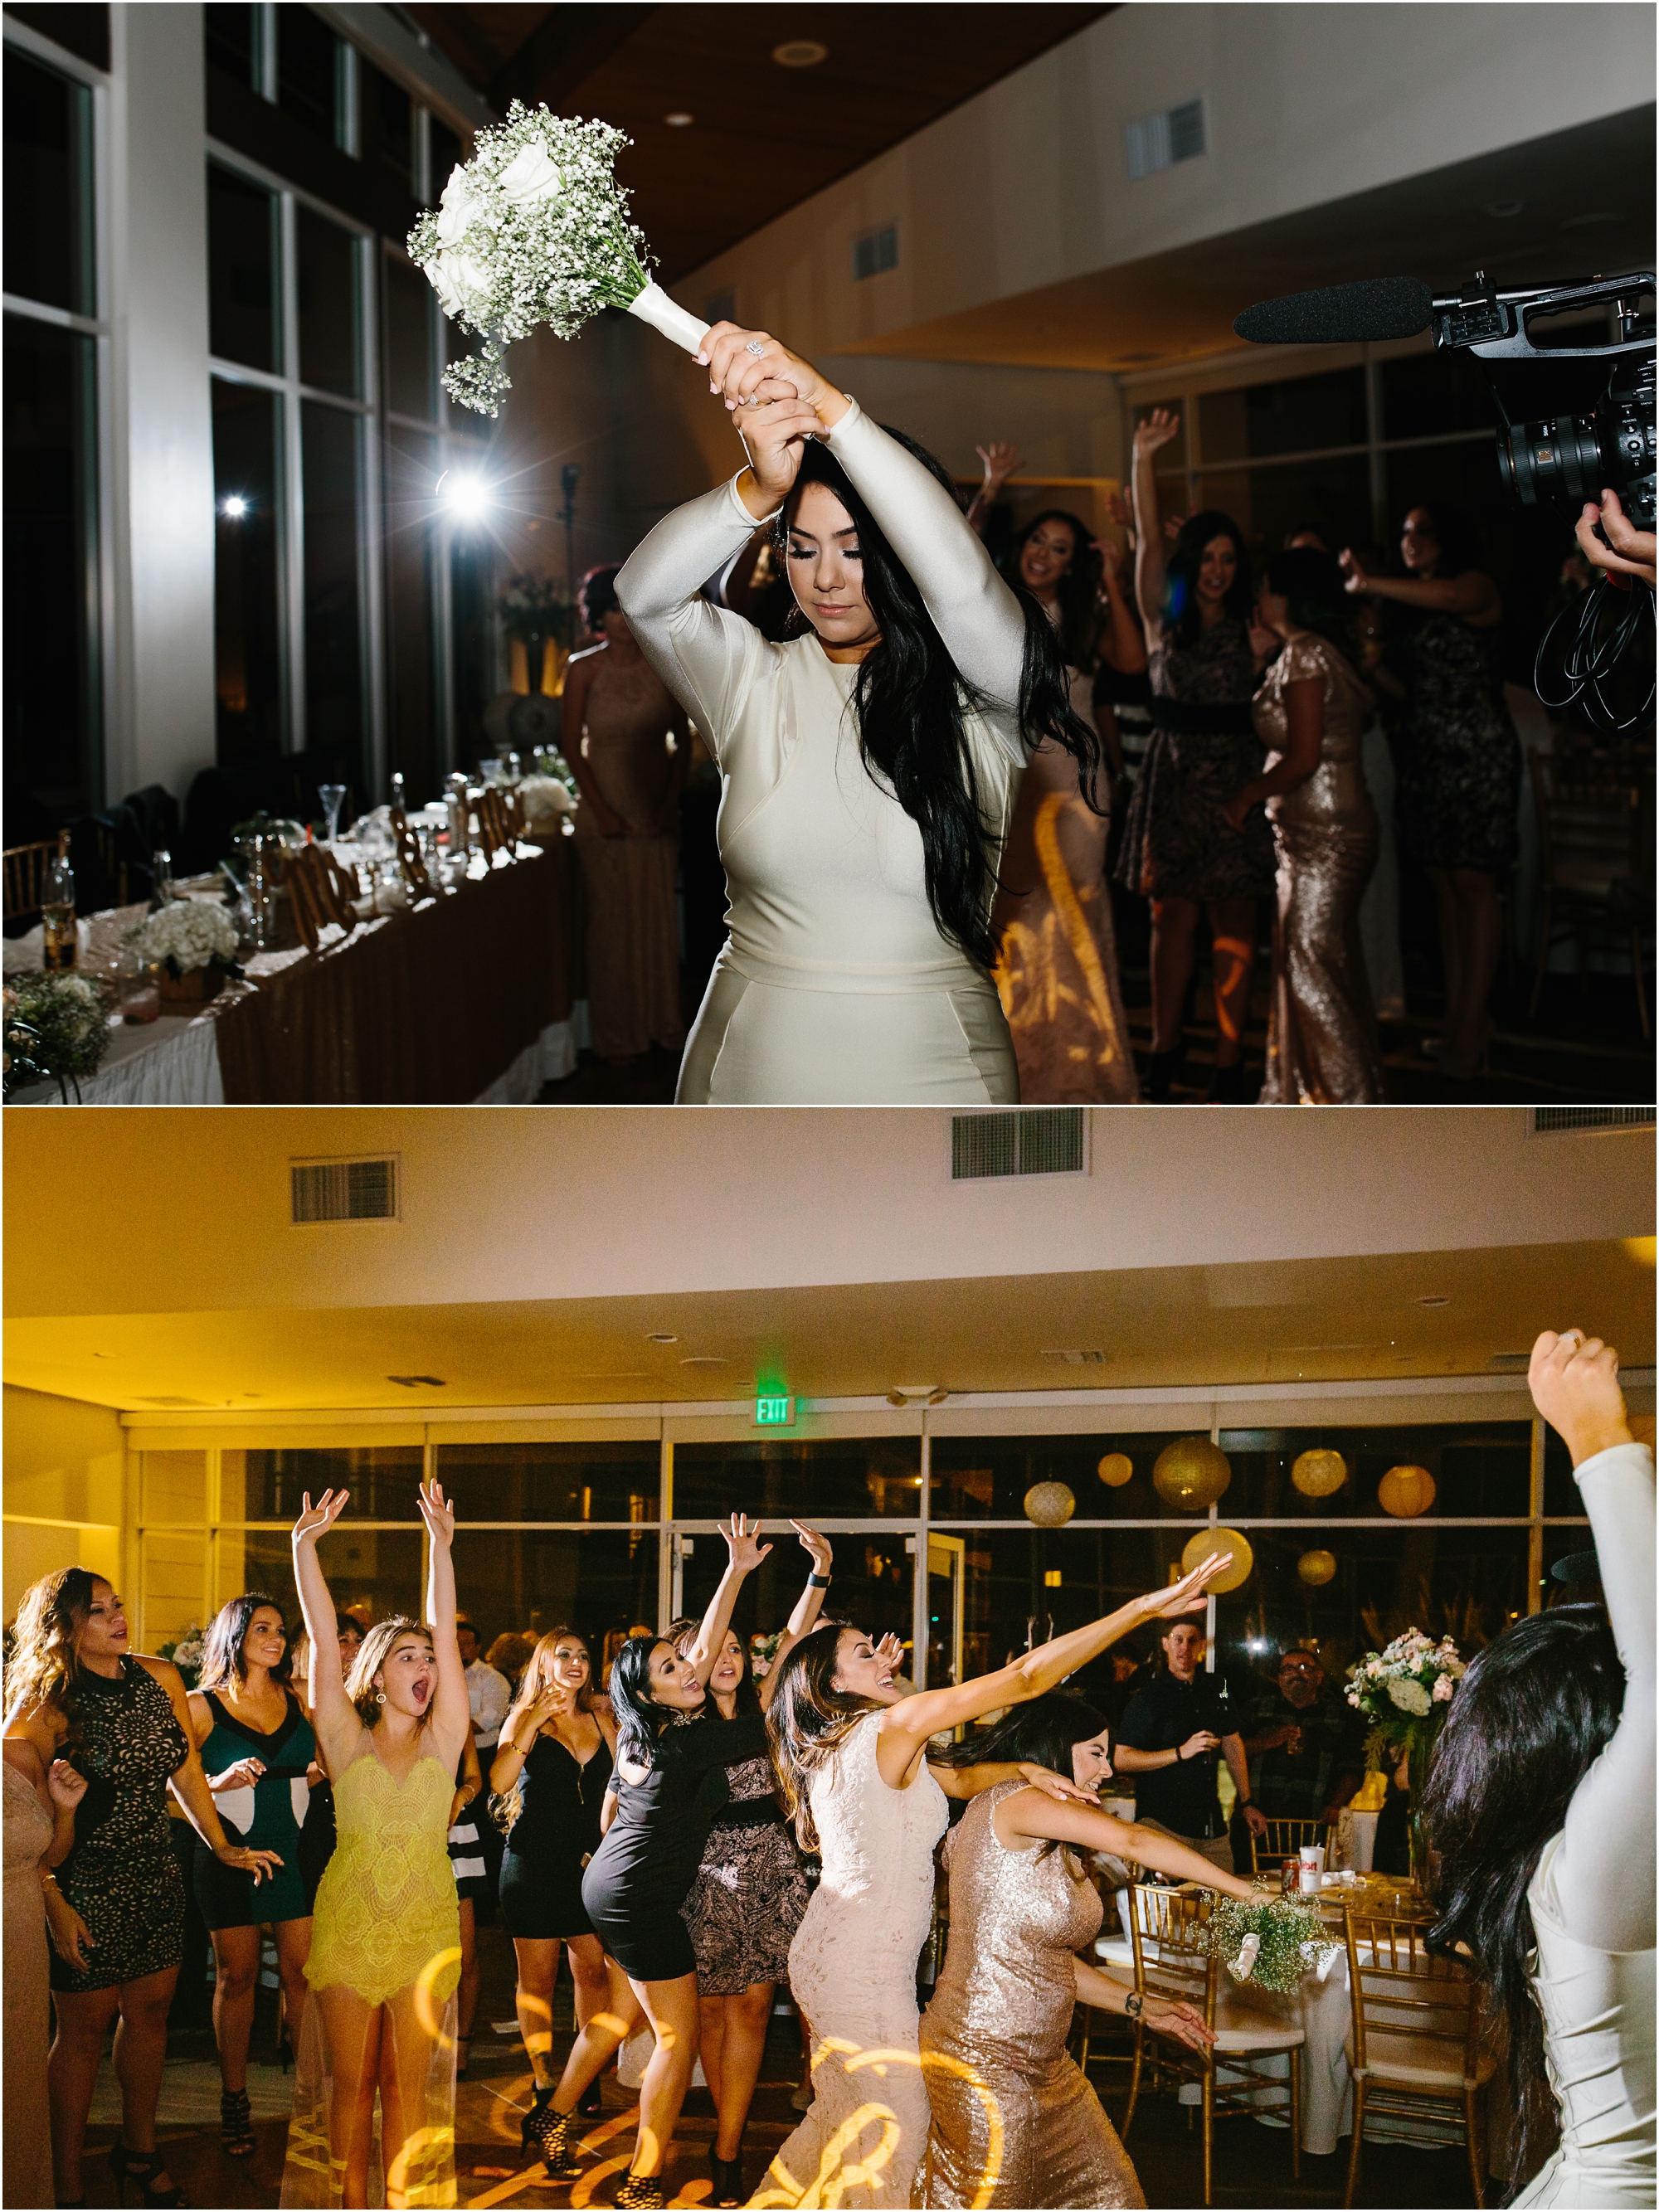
{"x":49,"y":1879}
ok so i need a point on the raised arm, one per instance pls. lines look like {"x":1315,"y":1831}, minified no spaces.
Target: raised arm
{"x":906,"y":1726}
{"x":702,"y":652}
{"x":1029,"y":1814}
{"x":808,"y":1605}
{"x":1122,"y":641}
{"x":1472,"y":595}
{"x":333,"y":1715}
{"x":1159,"y":429}
{"x":745,"y":1552}
{"x":452,"y":1716}
{"x":1603,"y":1874}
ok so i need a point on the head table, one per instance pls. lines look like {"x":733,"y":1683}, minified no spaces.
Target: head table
{"x":465,"y":996}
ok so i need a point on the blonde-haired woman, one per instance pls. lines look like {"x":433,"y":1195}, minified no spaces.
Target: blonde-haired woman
{"x":557,"y":1745}
{"x":385,"y":1955}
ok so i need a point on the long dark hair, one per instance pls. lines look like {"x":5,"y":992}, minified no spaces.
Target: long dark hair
{"x":1077,"y":594}
{"x":1181,"y":570}
{"x":683,"y":1634}
{"x":222,"y":1660}
{"x":1455,"y":534}
{"x":910,"y":699}
{"x":809,"y":1720}
{"x":1529,"y":1718}
{"x":1041,"y":1732}
{"x":641,"y":1720}
{"x":1312,"y":584}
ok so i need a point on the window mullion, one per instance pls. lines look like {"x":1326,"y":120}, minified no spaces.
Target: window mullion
{"x":293,"y":474}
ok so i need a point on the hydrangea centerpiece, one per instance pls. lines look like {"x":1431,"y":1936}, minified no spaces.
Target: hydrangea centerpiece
{"x":188,"y":933}
{"x":534,"y":229}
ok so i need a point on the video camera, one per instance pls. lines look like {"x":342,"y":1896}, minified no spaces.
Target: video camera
{"x":1547,"y":454}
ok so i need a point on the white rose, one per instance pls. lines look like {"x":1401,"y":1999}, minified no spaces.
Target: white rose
{"x":1410,"y":1697}
{"x":438,"y":275}
{"x":529,"y":176}
{"x":457,"y":209}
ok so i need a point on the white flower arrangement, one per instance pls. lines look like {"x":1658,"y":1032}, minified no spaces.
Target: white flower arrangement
{"x":1403,"y":1690}
{"x":188,"y":933}
{"x":543,"y":795}
{"x":534,"y":229}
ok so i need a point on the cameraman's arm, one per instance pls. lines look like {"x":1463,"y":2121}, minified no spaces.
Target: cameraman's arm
{"x":1628,"y":551}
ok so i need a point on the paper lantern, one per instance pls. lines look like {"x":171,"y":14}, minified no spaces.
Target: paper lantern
{"x":1115,"y":1469}
{"x":1191,"y":1473}
{"x":1050,"y":1504}
{"x":1230,"y":1540}
{"x":1318,"y":1473}
{"x":1405,"y":1491}
{"x":1316,"y":1567}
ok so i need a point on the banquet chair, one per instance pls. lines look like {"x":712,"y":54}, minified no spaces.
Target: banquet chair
{"x":409,"y":858}
{"x":1114,"y":1954}
{"x":494,"y":823}
{"x":1283,"y":1840}
{"x":1416,"y":2035}
{"x":320,"y":891}
{"x":26,"y":869}
{"x":1165,"y":1926}
{"x":1595,"y":869}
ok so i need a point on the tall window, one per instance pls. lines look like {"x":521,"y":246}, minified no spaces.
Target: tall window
{"x":53,"y":335}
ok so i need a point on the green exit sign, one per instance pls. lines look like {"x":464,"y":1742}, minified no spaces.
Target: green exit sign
{"x":774,"y":1411}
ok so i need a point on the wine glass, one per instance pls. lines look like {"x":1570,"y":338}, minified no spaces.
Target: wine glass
{"x":333,"y":798}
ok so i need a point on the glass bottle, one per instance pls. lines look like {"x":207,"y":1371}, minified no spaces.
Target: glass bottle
{"x":161,"y":879}
{"x":57,"y":938}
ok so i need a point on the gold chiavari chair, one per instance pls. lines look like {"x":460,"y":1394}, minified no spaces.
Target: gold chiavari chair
{"x":320,"y":890}
{"x":1416,"y":2035}
{"x":410,"y":859}
{"x":495,"y":821}
{"x":1283,"y":1840}
{"x":1114,"y":1954}
{"x":26,"y":869}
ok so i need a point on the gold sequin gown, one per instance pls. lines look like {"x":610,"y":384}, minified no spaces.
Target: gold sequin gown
{"x":1322,"y":1034}
{"x":1014,"y":2121}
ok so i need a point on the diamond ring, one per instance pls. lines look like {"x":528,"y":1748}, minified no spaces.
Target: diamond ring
{"x":754,"y":347}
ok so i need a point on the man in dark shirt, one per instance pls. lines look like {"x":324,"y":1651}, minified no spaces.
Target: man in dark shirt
{"x":1171,"y":1731}
{"x":1306,"y":1749}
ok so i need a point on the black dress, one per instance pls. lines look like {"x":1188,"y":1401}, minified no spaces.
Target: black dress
{"x":1176,"y":843}
{"x":639,"y":1877}
{"x":123,"y":1876}
{"x":1459,"y":758}
{"x":556,"y":1831}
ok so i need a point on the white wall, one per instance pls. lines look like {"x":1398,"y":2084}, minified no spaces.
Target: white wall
{"x":162,"y":726}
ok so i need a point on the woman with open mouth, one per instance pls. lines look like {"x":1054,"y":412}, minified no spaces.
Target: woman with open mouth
{"x":870,"y":764}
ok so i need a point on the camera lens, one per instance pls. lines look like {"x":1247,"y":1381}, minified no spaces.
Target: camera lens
{"x":1559,"y":458}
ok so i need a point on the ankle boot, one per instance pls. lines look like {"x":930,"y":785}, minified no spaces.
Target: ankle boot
{"x":1161,"y":1069}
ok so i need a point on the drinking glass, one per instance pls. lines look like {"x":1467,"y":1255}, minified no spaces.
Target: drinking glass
{"x":333,"y":798}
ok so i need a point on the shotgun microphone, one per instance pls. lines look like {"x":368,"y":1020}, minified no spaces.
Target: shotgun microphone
{"x":1380,"y":307}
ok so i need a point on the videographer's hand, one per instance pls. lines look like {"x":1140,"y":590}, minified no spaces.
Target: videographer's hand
{"x":1628,"y":552}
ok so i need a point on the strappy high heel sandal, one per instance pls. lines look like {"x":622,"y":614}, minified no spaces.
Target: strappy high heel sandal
{"x":641,"y":2192}
{"x":548,"y":2134}
{"x":235,"y":2123}
{"x":726,"y":2176}
{"x":139,"y":2169}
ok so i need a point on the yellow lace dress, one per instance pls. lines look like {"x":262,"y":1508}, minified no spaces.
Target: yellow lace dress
{"x":387,"y":1924}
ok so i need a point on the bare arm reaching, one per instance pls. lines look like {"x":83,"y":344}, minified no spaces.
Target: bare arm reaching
{"x":745,"y":1552}
{"x":335,"y":1717}
{"x":808,"y":1605}
{"x":451,"y":1714}
{"x":1159,"y":430}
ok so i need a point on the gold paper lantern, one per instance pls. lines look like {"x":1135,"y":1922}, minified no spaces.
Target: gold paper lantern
{"x":1230,"y":1540}
{"x":1316,"y":1567}
{"x":1405,"y":1491}
{"x":1191,"y":1473}
{"x":1115,"y":1469}
{"x":1318,"y":1473}
{"x":1050,"y":1504}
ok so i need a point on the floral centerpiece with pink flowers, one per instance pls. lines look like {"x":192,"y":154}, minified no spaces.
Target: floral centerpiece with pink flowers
{"x":535,"y":229}
{"x":1405,"y":1690}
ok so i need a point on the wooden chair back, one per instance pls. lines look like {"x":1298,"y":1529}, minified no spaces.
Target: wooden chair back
{"x":410,"y":860}
{"x":1284,"y":1840}
{"x":320,"y":890}
{"x":26,"y":869}
{"x":1399,"y":1987}
{"x":495,"y":827}
{"x":1164,"y":1930}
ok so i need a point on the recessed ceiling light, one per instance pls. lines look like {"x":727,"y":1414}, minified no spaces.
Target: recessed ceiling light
{"x":660,"y":1336}
{"x":703,"y":1359}
{"x":1503,"y":209}
{"x":800,"y":53}
{"x":679,"y":121}
{"x":1434,"y":1298}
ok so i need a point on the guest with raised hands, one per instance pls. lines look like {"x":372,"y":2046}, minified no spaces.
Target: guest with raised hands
{"x":852,"y":1758}
{"x":385,"y":1955}
{"x":858,"y":967}
{"x":1539,"y":1812}
{"x":668,"y":1784}
{"x":751,"y":1891}
{"x":122,"y":1720}
{"x":1022,"y":1908}
{"x":1001,"y":459}
{"x":556,"y":1749}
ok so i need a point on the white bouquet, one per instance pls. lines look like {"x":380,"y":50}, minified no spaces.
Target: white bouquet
{"x":188,"y":933}
{"x":542,"y":796}
{"x":534,"y":229}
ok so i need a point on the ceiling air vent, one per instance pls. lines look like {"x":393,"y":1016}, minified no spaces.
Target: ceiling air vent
{"x":1562,"y":1121}
{"x":1158,"y":141}
{"x":345,"y":1190}
{"x":875,"y":252}
{"x":1018,"y":1141}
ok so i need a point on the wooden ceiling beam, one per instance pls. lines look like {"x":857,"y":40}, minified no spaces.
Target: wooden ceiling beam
{"x":568,"y":44}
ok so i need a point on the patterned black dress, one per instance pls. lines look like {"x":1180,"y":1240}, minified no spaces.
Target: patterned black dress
{"x":751,"y":1892}
{"x":1459,"y":758}
{"x":1176,"y":843}
{"x":123,"y":1877}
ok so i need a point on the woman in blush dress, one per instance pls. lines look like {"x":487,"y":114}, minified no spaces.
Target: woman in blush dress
{"x":1311,"y":712}
{"x":629,"y":744}
{"x":1538,"y":1809}
{"x":1022,"y":1907}
{"x":852,"y":1756}
{"x":39,"y":1829}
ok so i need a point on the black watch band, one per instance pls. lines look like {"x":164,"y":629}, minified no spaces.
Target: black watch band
{"x":818,"y":1582}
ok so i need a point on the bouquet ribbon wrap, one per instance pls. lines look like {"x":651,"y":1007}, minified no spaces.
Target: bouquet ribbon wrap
{"x":654,"y":306}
